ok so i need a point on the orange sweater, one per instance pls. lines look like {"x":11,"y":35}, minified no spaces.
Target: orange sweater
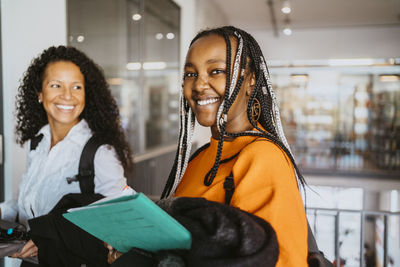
{"x":265,"y":185}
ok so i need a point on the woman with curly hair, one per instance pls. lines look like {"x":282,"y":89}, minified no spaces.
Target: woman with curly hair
{"x":65,"y":98}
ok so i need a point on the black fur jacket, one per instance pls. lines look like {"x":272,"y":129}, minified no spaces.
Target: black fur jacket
{"x":222,"y":236}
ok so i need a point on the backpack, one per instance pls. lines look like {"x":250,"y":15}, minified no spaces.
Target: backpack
{"x":85,"y":175}
{"x":315,"y":257}
{"x":60,"y":242}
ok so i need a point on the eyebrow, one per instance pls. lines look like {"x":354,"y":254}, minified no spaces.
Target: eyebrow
{"x":59,"y":81}
{"x":210,"y":61}
{"x":216,"y":61}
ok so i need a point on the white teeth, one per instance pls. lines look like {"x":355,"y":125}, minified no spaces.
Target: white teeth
{"x":207,"y":101}
{"x":65,"y":107}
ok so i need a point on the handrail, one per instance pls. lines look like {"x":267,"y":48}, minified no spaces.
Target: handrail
{"x":367,"y":212}
{"x":336,"y":212}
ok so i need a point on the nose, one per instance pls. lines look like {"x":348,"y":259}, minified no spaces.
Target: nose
{"x":67,"y":93}
{"x":201,"y":83}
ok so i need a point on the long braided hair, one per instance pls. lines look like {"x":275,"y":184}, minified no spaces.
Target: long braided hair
{"x":247,"y":48}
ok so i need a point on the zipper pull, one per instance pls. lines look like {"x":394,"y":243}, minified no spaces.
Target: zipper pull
{"x":32,"y":212}
{"x":72,"y":179}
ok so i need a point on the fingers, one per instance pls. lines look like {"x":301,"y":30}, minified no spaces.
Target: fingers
{"x":109,"y":247}
{"x":29,"y":250}
{"x":113,"y":255}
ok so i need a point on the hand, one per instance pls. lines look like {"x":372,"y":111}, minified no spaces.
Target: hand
{"x":29,"y":250}
{"x":113,"y":254}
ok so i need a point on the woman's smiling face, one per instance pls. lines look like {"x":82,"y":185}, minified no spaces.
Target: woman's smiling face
{"x":63,"y":93}
{"x":205,"y":81}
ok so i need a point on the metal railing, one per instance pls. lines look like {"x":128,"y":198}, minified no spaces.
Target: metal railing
{"x":363,"y":213}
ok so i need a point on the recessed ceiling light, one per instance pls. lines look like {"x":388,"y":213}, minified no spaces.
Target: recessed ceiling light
{"x":287,"y":31}
{"x":170,"y":36}
{"x":80,"y":38}
{"x":136,"y":17}
{"x":286,"y":7}
{"x":159,"y":36}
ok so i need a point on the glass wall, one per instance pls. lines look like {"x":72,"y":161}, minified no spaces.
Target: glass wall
{"x":136,"y":42}
{"x":342,"y":121}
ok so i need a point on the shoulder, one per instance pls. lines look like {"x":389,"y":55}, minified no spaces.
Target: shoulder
{"x":264,"y":150}
{"x":264,"y":163}
{"x":105,"y":153}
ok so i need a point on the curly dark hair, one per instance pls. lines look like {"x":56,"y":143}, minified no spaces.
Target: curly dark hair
{"x":101,"y":111}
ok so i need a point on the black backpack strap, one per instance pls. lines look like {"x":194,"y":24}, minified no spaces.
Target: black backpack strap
{"x":312,"y":244}
{"x":86,"y":165}
{"x":229,"y":186}
{"x":229,"y":183}
{"x":35,"y":141}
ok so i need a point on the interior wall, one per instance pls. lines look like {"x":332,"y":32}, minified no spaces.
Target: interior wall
{"x":27,"y":28}
{"x":209,"y":15}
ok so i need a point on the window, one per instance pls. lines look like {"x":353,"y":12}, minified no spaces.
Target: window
{"x":136,"y":42}
{"x":342,"y":121}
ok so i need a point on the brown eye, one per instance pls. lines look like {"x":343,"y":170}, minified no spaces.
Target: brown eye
{"x":217,"y":71}
{"x":189,"y":75}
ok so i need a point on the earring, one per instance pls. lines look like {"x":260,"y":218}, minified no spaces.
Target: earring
{"x":255,"y":110}
{"x":40,"y":101}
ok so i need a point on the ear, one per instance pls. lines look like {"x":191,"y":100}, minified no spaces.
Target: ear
{"x":250,"y":83}
{"x":40,"y":97}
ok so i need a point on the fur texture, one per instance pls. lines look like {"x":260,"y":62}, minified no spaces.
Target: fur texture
{"x":223,"y":235}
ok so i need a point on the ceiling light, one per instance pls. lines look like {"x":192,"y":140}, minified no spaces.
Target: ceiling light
{"x":157,"y":65}
{"x":136,"y":17}
{"x":286,"y":7}
{"x":133,"y":66}
{"x":389,"y":78}
{"x":115,"y":81}
{"x":351,"y":62}
{"x":80,"y":38}
{"x":299,"y":78}
{"x":159,"y":36}
{"x":170,"y":36}
{"x":287,"y":31}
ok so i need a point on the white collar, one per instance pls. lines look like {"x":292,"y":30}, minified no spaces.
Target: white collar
{"x":74,"y":134}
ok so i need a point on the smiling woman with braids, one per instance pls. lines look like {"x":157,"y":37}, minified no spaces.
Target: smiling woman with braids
{"x":248,"y":163}
{"x":64,"y":98}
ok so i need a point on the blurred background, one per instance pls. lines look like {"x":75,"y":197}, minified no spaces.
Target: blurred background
{"x":335,"y":67}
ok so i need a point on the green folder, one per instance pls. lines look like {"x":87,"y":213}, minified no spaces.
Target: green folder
{"x":131,"y":221}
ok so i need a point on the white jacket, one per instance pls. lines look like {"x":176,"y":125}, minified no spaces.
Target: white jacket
{"x":44,"y":182}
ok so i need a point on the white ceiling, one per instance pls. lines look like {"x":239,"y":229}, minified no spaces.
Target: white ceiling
{"x":255,"y":14}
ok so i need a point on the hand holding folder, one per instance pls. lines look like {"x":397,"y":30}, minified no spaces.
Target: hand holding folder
{"x":131,"y":221}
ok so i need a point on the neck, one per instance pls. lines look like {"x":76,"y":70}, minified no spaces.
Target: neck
{"x":232,"y":128}
{"x":59,"y":132}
